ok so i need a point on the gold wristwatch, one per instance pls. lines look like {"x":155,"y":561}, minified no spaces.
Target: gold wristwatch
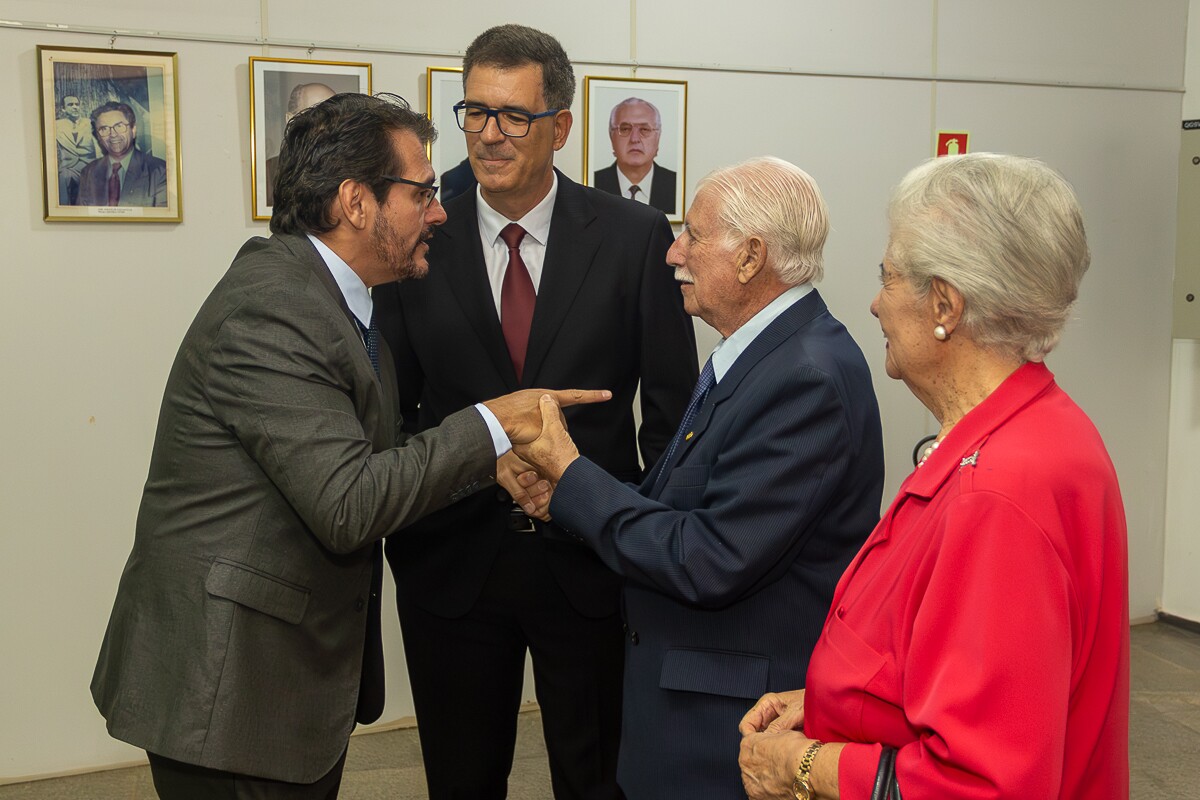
{"x":800,"y":785}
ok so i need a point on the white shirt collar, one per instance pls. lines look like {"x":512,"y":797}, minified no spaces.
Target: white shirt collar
{"x":728,"y":350}
{"x":536,"y":221}
{"x":355,"y":292}
{"x":643,"y":195}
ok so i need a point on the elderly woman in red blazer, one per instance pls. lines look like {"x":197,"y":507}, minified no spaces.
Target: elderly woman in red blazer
{"x":979,"y":642}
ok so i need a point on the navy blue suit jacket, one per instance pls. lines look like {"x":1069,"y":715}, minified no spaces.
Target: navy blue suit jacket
{"x":731,"y":563}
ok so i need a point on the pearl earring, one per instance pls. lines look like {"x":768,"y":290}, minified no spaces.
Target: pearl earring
{"x":940,"y":333}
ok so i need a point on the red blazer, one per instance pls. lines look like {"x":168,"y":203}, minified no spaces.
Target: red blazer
{"x":984,"y":627}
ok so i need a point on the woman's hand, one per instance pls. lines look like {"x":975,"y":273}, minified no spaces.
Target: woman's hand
{"x":775,"y":711}
{"x":769,"y":762}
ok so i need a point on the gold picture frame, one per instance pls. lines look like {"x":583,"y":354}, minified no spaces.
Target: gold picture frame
{"x":277,"y":84}
{"x":448,"y":155}
{"x":78,"y":84}
{"x":601,"y":97}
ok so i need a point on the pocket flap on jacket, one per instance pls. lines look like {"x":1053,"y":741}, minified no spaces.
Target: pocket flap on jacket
{"x":257,"y":590}
{"x":716,"y":672}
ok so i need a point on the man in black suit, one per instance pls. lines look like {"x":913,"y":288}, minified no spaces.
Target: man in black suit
{"x":244,"y":641}
{"x":533,"y":279}
{"x":635,"y":129}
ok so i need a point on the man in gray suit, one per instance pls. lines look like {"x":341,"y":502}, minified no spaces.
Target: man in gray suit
{"x":244,"y":641}
{"x":124,"y":175}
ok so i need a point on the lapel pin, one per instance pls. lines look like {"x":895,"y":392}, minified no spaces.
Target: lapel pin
{"x":688,"y":438}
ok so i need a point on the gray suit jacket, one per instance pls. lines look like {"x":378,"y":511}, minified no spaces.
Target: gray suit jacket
{"x":238,"y":633}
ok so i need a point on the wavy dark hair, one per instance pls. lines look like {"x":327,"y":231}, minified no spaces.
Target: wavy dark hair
{"x":347,"y":137}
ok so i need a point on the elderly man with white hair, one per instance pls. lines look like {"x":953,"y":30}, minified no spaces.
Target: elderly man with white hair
{"x":733,"y":544}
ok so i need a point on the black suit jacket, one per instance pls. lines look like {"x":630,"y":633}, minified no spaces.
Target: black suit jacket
{"x":608,"y":314}
{"x":662,"y":190}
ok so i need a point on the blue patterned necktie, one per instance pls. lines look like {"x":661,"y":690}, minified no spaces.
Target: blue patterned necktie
{"x":371,"y":340}
{"x":707,"y":380}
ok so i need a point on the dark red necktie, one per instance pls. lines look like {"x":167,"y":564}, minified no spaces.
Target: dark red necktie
{"x":516,"y":298}
{"x":114,"y":185}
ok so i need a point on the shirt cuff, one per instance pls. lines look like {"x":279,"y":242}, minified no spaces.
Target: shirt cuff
{"x":499,"y":437}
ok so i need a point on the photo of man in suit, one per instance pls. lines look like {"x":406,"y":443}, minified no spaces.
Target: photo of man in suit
{"x":635,"y":128}
{"x":533,"y":279}
{"x":76,"y":148}
{"x":732,"y":545}
{"x":244,"y":642}
{"x":124,"y":176}
{"x":302,"y":96}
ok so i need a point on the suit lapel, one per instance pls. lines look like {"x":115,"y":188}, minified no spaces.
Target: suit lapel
{"x":384,"y":385}
{"x":574,"y":240}
{"x":780,"y":330}
{"x":462,"y":266}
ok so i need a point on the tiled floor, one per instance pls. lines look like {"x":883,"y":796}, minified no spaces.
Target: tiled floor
{"x":1164,"y":742}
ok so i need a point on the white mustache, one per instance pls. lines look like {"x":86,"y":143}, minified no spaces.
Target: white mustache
{"x":683,"y":276}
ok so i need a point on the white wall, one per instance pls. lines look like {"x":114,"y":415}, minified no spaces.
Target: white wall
{"x":92,"y":314}
{"x":1181,"y":589}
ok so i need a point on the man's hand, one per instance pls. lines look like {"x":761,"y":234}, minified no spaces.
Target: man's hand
{"x":552,"y":451}
{"x":521,"y":480}
{"x":519,"y":413}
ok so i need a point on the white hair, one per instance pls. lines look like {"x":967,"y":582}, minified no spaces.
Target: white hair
{"x":780,"y":203}
{"x":1005,"y":231}
{"x":612,"y":115}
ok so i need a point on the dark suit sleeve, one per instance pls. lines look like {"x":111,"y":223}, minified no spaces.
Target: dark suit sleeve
{"x":280,"y":375}
{"x":732,"y":511}
{"x":668,"y":349}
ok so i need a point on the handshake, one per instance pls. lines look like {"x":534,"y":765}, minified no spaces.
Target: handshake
{"x":542,"y":448}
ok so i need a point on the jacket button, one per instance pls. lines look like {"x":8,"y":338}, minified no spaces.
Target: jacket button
{"x":359,"y":604}
{"x":633,"y":638}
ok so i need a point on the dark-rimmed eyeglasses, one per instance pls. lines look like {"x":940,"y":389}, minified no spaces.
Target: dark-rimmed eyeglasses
{"x":512,"y":123}
{"x":120,"y":129}
{"x":429,"y":193}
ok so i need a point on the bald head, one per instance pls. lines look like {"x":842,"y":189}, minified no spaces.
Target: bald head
{"x":307,"y":95}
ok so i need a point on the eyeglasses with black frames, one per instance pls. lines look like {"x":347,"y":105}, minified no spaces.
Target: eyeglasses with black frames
{"x":512,"y":123}
{"x":428,"y":195}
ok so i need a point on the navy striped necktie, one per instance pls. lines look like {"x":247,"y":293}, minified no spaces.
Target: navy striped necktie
{"x":370,"y":338}
{"x":708,"y":379}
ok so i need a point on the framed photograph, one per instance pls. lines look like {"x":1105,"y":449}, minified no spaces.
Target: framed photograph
{"x":280,"y":88}
{"x":448,"y":155}
{"x":635,"y":140}
{"x":110,"y":135}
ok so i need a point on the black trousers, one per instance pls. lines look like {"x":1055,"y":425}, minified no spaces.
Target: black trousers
{"x":175,"y":780}
{"x":467,"y":675}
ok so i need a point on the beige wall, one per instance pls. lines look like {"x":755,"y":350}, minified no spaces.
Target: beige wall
{"x":91,"y":314}
{"x":1181,"y":589}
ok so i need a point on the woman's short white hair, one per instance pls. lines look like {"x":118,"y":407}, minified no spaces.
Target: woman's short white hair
{"x":781,"y":204}
{"x":1007,"y":232}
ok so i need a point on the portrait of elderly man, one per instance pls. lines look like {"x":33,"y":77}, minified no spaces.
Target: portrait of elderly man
{"x":732,"y":545}
{"x":125,"y":175}
{"x":635,"y":128}
{"x":302,"y":96}
{"x":76,"y":148}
